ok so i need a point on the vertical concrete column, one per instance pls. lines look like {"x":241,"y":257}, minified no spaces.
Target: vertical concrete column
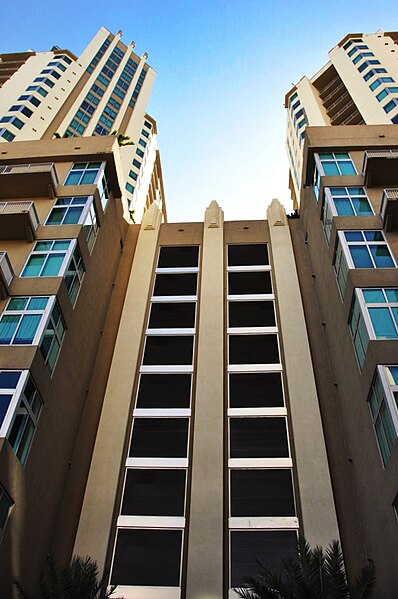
{"x":96,"y":515}
{"x":319,"y":522}
{"x":205,"y":544}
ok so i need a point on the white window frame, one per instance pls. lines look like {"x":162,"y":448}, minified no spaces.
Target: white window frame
{"x":330,"y":199}
{"x":16,"y":401}
{"x":345,"y":246}
{"x":45,"y":315}
{"x":84,"y":206}
{"x":68,"y":255}
{"x":100,"y":172}
{"x":319,"y":165}
{"x":364,"y":309}
{"x":388,"y":400}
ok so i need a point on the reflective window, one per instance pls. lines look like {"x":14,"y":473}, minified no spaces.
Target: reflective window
{"x":83,"y":173}
{"x":383,"y":399}
{"x":336,"y":163}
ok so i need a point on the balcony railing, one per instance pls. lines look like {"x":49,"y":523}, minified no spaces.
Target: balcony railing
{"x":6,"y":274}
{"x":389,"y":209}
{"x":28,"y":180}
{"x":18,"y":220}
{"x":380,"y":167}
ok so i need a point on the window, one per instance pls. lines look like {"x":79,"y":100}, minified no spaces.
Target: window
{"x":129,"y":187}
{"x":252,"y":283}
{"x":335,"y":164}
{"x":20,"y":407}
{"x":267,"y":492}
{"x":67,"y":211}
{"x":83,"y":173}
{"x":51,"y":72}
{"x":38,"y":89}
{"x":136,"y":163}
{"x":258,"y":438}
{"x":54,"y":258}
{"x":385,"y":92}
{"x":390,"y":105}
{"x":383,"y":401}
{"x":176,"y":284}
{"x":172,"y":315}
{"x":367,"y":63}
{"x":13,"y":120}
{"x":33,"y":321}
{"x":159,"y":438}
{"x":251,"y":314}
{"x":6,"y":504}
{"x":360,"y":249}
{"x":32,"y":99}
{"x":164,"y":391}
{"x":253,"y":254}
{"x":140,"y":153}
{"x":147,"y":557}
{"x":168,"y":350}
{"x":343,"y":201}
{"x":73,"y":211}
{"x":361,"y":56}
{"x":366,"y":249}
{"x":133,"y":175}
{"x":374,"y":315}
{"x":253,"y":349}
{"x":20,"y":108}
{"x":379,"y":81}
{"x":145,"y":133}
{"x":44,"y":80}
{"x":153,"y":492}
{"x":7,"y":135}
{"x":373,"y":72}
{"x":142,"y":143}
{"x":255,"y":390}
{"x":268,"y":546}
{"x":21,"y":320}
{"x":180,"y":256}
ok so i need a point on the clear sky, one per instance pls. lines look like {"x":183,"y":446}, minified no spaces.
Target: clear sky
{"x":223,"y":68}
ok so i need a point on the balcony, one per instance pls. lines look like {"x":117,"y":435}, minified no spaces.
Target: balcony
{"x":389,"y":209}
{"x":28,"y":180}
{"x":380,"y":168}
{"x":18,"y":220}
{"x":6,"y":274}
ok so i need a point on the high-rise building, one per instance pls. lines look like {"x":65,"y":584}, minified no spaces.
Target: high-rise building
{"x":345,"y":179}
{"x":359,"y":85}
{"x":103,"y":91}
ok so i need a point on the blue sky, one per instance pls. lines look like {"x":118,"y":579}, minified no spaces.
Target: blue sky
{"x":223,"y":68}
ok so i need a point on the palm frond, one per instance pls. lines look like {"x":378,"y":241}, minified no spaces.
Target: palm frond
{"x":364,"y":582}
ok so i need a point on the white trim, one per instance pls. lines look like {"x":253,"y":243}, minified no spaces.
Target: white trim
{"x":16,"y":395}
{"x":260,"y":463}
{"x":173,"y":298}
{"x":157,"y":462}
{"x":257,"y":411}
{"x":170,"y":332}
{"x":253,"y":297}
{"x":155,"y":412}
{"x":251,"y":330}
{"x":254,"y":368}
{"x":151,"y":522}
{"x":175,"y":270}
{"x":130,"y":592}
{"x":167,"y":369}
{"x":263,"y":522}
{"x":252,"y":268}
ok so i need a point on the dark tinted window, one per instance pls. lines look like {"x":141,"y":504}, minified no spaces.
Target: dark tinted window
{"x":269,"y":547}
{"x":253,"y":254}
{"x":258,"y":438}
{"x":175,"y":284}
{"x":164,"y":391}
{"x":251,"y":314}
{"x":240,"y":283}
{"x":154,"y":493}
{"x":255,"y":390}
{"x":178,"y":256}
{"x":168,"y":350}
{"x":253,"y":349}
{"x":147,"y":557}
{"x":168,"y":315}
{"x":262,"y":493}
{"x":159,"y":438}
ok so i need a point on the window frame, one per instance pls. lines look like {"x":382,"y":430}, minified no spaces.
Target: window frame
{"x":18,"y":402}
{"x":388,"y":401}
{"x":346,"y":244}
{"x":335,"y":161}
